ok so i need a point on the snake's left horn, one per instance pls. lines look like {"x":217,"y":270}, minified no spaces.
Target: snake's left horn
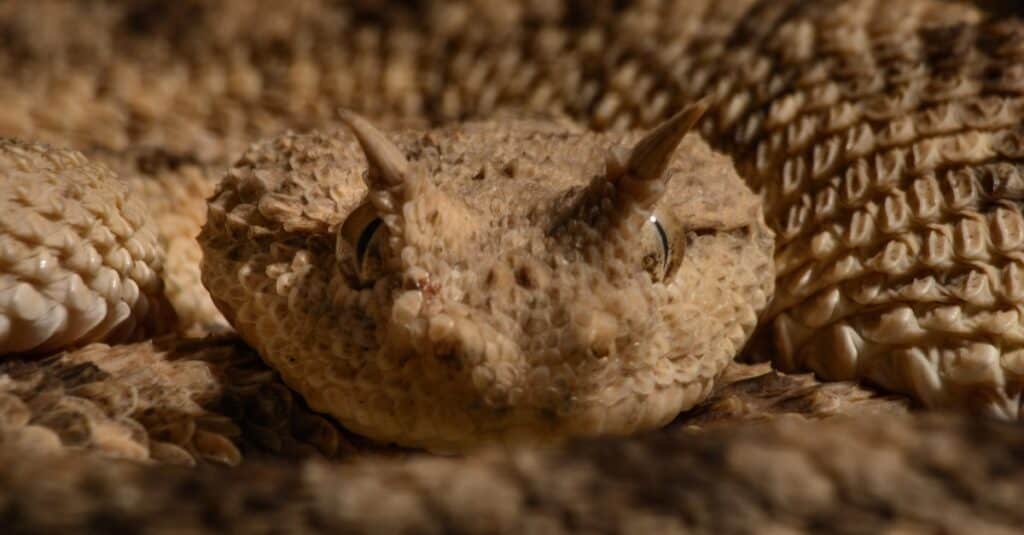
{"x":387,"y":164}
{"x":392,"y":181}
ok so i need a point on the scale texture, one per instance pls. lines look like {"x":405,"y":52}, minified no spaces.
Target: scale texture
{"x":80,"y":261}
{"x":500,"y":320}
{"x":844,"y":475}
{"x":882,"y":140}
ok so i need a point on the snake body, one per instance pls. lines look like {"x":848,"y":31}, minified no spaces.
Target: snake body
{"x":882,"y":139}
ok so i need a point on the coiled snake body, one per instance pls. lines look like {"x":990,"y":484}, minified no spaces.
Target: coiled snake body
{"x":556,"y":266}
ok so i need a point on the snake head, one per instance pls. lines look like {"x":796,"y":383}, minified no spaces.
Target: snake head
{"x":500,"y":280}
{"x":527,"y":302}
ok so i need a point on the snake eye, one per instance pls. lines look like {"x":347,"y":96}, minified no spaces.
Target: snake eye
{"x":363,"y":232}
{"x":657,"y":247}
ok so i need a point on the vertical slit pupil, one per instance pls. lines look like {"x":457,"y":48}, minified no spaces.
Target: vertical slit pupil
{"x":664,"y":241}
{"x":364,"y":239}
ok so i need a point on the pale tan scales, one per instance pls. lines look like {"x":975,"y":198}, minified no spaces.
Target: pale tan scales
{"x":500,"y":319}
{"x":80,"y":258}
{"x":882,"y":137}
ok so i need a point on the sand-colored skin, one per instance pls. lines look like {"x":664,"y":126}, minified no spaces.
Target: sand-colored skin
{"x":80,"y":259}
{"x":848,"y":476}
{"x":882,"y":141}
{"x":174,"y":191}
{"x":166,"y":401}
{"x":844,"y":115}
{"x":888,"y":166}
{"x":817,"y":102}
{"x":474,"y":318}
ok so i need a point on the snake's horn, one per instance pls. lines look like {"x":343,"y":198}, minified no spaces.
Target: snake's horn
{"x":388,"y":167}
{"x":643,"y":180}
{"x":391,"y":181}
{"x":401,"y":199}
{"x":617,"y":207}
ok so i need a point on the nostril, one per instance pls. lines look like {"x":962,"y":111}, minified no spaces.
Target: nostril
{"x":524,"y":278}
{"x":449,"y":359}
{"x":499,"y":277}
{"x":531,"y":275}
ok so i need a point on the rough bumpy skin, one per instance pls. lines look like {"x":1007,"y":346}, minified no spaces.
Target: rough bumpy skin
{"x":163,"y":400}
{"x":189,"y":402}
{"x":514,"y":296}
{"x":174,"y":191}
{"x":79,"y":261}
{"x":882,"y":474}
{"x":887,"y":157}
{"x":748,"y":392}
{"x":882,"y":136}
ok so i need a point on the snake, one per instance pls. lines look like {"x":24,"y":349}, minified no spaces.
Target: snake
{"x":461,"y":222}
{"x":451,"y":223}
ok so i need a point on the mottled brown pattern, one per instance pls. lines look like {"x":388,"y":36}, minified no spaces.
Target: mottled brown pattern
{"x":165,"y":400}
{"x":887,"y":161}
{"x":882,"y":137}
{"x":488,"y":319}
{"x":862,"y":475}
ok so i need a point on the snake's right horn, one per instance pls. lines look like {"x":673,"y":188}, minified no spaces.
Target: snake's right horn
{"x":638,"y":178}
{"x":643,"y":177}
